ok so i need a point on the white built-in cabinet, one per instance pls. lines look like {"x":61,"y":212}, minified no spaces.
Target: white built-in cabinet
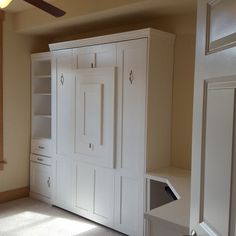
{"x":111,"y":109}
{"x":41,"y":135}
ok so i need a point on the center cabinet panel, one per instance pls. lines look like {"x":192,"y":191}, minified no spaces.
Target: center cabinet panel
{"x":95,"y":115}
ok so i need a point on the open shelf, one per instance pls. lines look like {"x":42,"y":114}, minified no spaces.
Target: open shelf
{"x":43,"y":115}
{"x":41,"y":127}
{"x":41,"y":68}
{"x":173,"y":205}
{"x":41,"y":96}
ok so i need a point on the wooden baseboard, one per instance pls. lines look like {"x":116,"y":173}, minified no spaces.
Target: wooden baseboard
{"x":14,"y":194}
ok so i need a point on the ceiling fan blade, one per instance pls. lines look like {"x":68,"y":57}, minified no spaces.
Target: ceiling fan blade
{"x":45,"y":6}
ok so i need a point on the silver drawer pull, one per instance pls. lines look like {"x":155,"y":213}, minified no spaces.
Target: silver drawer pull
{"x":62,"y":79}
{"x":41,"y":147}
{"x":40,"y":159}
{"x":49,"y":182}
{"x":131,"y":77}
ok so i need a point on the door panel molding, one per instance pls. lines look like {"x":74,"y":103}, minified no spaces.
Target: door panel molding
{"x":224,"y":86}
{"x":217,"y":38}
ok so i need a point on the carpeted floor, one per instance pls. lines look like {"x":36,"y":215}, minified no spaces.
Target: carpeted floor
{"x":29,"y":217}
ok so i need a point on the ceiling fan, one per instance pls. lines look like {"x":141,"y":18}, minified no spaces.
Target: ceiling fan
{"x":45,"y":6}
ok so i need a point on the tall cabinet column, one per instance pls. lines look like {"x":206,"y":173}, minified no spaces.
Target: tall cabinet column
{"x":63,"y":126}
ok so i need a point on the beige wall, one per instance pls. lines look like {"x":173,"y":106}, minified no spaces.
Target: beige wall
{"x":185,"y":29}
{"x":16,"y":111}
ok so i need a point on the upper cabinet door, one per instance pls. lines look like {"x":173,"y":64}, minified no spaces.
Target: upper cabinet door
{"x":65,"y":101}
{"x":95,"y":115}
{"x":95,"y":56}
{"x":132,"y":76}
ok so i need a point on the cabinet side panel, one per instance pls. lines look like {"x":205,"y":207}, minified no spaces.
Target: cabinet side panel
{"x":161,"y":50}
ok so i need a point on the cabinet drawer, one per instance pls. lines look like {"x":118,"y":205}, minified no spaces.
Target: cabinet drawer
{"x":41,"y":147}
{"x":41,"y":159}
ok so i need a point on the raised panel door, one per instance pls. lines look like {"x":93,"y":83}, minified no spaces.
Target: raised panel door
{"x":104,"y":195}
{"x":132,"y":61}
{"x":131,"y":135}
{"x":62,"y":184}
{"x":213,"y":182}
{"x":65,"y":100}
{"x":128,"y":217}
{"x":84,"y":188}
{"x":40,"y":179}
{"x":99,"y":56}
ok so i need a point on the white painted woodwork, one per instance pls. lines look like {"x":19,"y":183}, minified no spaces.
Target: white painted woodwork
{"x":95,"y":56}
{"x":219,"y":15}
{"x":108,"y":135}
{"x":172,"y":217}
{"x":40,"y":179}
{"x":84,"y":187}
{"x":41,"y":147}
{"x":128,"y":208}
{"x":65,"y":103}
{"x":95,"y":115}
{"x":41,"y":159}
{"x":41,"y":127}
{"x":41,"y":95}
{"x":104,"y":196}
{"x":213,"y":160}
{"x":218,"y":159}
{"x":132,"y":62}
{"x":62,"y":185}
{"x":94,"y":187}
{"x":133,"y":58}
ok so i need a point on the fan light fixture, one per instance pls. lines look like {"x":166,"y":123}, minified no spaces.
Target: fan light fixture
{"x":4,"y":3}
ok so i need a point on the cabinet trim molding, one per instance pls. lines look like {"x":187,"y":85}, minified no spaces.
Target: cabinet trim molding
{"x":119,"y":37}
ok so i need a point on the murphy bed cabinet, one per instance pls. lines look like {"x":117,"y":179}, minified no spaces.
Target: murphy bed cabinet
{"x":111,"y":124}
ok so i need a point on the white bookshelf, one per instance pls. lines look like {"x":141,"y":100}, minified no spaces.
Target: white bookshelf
{"x":41,"y":131}
{"x":41,"y":96}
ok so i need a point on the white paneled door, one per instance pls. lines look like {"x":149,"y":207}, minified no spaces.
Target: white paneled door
{"x":65,"y":101}
{"x":213,"y":153}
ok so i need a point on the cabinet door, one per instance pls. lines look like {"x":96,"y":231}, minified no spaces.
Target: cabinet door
{"x":95,"y":56}
{"x":40,"y":179}
{"x":104,"y":196}
{"x":94,"y":191}
{"x":62,"y":185}
{"x":84,"y":188}
{"x":65,"y":114}
{"x":132,"y":85}
{"x":128,"y":205}
{"x":95,"y":115}
{"x":132,"y":64}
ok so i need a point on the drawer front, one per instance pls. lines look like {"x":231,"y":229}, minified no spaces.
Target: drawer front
{"x":41,"y":147}
{"x":41,"y":159}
